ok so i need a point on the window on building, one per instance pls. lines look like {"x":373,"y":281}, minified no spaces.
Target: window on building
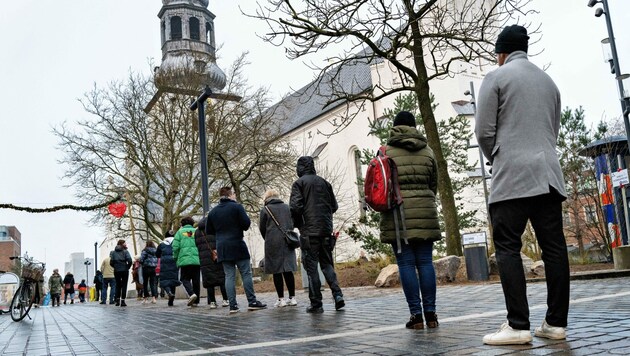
{"x":176,"y":28}
{"x":193,"y":23}
{"x":590,"y":214}
{"x":359,"y":172}
{"x":209,"y":34}
{"x":163,"y":32}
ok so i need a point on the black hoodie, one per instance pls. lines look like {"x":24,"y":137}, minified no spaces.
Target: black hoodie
{"x":312,"y":202}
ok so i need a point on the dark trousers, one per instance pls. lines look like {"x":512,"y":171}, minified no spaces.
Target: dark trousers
{"x":150,"y":281}
{"x":97,"y":291}
{"x":279,"y":284}
{"x":187,"y":275}
{"x":122,"y":278}
{"x":509,"y":219}
{"x":319,"y":252}
{"x":212,"y":298}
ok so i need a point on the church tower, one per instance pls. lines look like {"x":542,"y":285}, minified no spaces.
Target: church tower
{"x":188,"y":47}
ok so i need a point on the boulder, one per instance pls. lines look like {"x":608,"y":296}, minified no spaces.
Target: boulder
{"x":494,"y":268}
{"x":388,"y":276}
{"x":446,"y":268}
{"x":538,"y":268}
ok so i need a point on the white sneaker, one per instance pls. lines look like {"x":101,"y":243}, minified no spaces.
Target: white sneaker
{"x":192,"y":299}
{"x":292,"y":302}
{"x":144,"y":301}
{"x":281,"y":303}
{"x":551,"y":332}
{"x":213,"y":305}
{"x":153,"y":300}
{"x":508,"y":336}
{"x":226,"y":303}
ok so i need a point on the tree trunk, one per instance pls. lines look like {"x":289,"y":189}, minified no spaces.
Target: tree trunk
{"x":445,"y":187}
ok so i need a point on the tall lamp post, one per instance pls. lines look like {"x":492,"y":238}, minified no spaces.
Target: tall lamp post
{"x":87,"y":263}
{"x":95,"y":258}
{"x":610,"y":55}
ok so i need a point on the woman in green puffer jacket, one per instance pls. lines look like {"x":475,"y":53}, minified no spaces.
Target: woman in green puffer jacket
{"x":417,"y":177}
{"x":186,"y":254}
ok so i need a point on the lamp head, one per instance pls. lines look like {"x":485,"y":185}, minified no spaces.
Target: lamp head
{"x":467,"y":92}
{"x":598,"y":12}
{"x":592,"y":3}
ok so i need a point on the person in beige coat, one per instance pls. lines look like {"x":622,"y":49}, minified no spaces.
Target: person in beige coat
{"x":108,"y":280}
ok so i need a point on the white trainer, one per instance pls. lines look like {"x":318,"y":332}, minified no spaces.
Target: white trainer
{"x":551,"y":332}
{"x":226,"y":303}
{"x":280,"y":303}
{"x":192,"y":299}
{"x":213,"y":305}
{"x":292,"y":302}
{"x":508,"y":336}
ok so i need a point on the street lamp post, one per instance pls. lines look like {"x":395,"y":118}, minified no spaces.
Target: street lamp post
{"x":199,"y":105}
{"x":87,"y":263}
{"x":95,"y":258}
{"x":610,"y":55}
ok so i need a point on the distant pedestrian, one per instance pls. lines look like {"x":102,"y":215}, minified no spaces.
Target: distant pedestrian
{"x":68,"y":288}
{"x":517,"y":126}
{"x":109,"y":280}
{"x":417,"y":179}
{"x":82,"y":291}
{"x":187,"y":256}
{"x":312,"y":205}
{"x":280,"y":259}
{"x":212,"y":273}
{"x":137,"y":278}
{"x":120,"y":259}
{"x":227,"y":221}
{"x":168,"y":267}
{"x":149,"y":262}
{"x":55,"y":286}
{"x":98,"y":285}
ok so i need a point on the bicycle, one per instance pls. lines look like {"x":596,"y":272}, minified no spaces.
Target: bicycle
{"x":32,"y":272}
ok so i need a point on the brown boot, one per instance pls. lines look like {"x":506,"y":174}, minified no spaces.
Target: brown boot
{"x":432,"y":321}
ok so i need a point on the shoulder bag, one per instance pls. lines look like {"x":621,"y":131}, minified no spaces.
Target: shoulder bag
{"x":291,"y":237}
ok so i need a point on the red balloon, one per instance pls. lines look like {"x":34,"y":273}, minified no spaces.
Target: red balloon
{"x":117,"y":209}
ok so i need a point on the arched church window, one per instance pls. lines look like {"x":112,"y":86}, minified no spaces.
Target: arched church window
{"x":176,"y":28}
{"x":209,"y":34}
{"x":193,"y":23}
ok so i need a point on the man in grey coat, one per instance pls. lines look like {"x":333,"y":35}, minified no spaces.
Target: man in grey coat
{"x":517,"y":124}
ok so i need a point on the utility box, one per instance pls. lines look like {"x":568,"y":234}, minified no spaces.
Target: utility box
{"x":476,"y":255}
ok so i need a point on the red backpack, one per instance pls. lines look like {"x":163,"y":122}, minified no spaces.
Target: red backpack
{"x":382,"y":191}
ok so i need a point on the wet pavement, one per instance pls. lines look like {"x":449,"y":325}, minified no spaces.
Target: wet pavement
{"x":371,"y":324}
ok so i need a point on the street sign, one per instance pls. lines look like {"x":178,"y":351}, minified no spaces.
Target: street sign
{"x":620,"y":178}
{"x":473,"y":238}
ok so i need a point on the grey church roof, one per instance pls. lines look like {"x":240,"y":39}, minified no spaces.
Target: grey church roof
{"x":309,"y":102}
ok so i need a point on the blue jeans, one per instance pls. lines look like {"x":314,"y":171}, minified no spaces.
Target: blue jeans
{"x":111,"y":282}
{"x":244,"y":268}
{"x":418,"y":255}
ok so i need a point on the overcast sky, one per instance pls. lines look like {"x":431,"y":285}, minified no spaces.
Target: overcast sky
{"x":54,"y":51}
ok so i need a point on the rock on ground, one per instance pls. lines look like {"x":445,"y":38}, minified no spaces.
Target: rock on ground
{"x":388,"y":276}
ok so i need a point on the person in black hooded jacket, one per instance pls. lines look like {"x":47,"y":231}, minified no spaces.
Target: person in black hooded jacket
{"x":312,"y":205}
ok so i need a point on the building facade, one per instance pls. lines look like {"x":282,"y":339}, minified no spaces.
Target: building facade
{"x":10,"y":245}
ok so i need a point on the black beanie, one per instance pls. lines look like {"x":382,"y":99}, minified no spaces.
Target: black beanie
{"x":405,"y":118}
{"x":512,"y":38}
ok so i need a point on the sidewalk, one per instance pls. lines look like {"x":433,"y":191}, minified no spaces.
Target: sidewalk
{"x":371,"y":324}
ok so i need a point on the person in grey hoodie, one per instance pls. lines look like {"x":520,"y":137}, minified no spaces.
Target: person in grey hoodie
{"x":149,"y":262}
{"x":517,"y":126}
{"x":120,"y":259}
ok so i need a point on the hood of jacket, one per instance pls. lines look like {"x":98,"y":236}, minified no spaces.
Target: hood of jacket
{"x":168,"y":240}
{"x":305,"y":165}
{"x":151,"y":250}
{"x":273,"y":201}
{"x":406,"y":137}
{"x":119,"y":248}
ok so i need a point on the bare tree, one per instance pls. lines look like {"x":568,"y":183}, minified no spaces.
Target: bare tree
{"x":420,"y":40}
{"x":152,"y":159}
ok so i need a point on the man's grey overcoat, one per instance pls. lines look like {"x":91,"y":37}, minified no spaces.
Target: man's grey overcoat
{"x":517,"y":124}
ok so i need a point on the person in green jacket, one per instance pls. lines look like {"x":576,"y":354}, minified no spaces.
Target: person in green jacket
{"x":187,"y":256}
{"x":417,"y":177}
{"x":55,"y":285}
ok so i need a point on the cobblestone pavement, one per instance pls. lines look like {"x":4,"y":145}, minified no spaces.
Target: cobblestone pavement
{"x":371,"y":324}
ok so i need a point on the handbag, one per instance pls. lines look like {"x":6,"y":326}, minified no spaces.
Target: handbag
{"x":291,"y":237}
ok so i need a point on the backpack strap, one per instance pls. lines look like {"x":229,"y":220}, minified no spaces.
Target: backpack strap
{"x":398,"y":209}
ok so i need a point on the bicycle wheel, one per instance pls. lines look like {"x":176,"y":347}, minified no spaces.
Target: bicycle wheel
{"x":22,"y":302}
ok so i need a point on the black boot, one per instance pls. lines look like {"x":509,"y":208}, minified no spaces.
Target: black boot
{"x":415,"y":322}
{"x":432,"y":321}
{"x":117,"y":302}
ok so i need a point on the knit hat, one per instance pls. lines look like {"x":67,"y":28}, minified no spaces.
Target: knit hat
{"x":512,"y":38}
{"x":405,"y":118}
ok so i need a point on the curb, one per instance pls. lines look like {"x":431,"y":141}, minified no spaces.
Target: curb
{"x":602,"y":274}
